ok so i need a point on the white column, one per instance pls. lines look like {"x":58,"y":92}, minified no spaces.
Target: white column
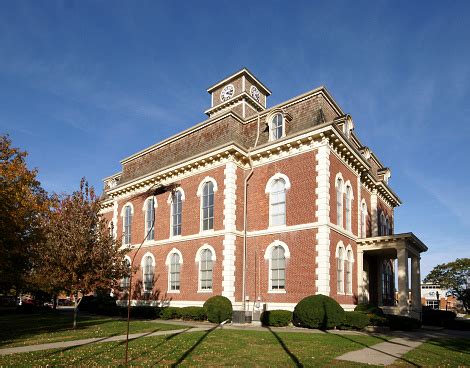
{"x":415,"y":283}
{"x":228,"y":261}
{"x":360,"y":276}
{"x":373,"y":213}
{"x":322,"y":191}
{"x":402,"y":280}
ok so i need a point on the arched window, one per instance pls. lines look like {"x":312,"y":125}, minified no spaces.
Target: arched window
{"x":207,"y":206}
{"x":150,"y":219}
{"x":339,"y":202}
{"x":363,"y":220}
{"x":127,"y":225}
{"x":277,"y":205}
{"x":348,"y":207}
{"x":148,"y":273}
{"x":176,"y":213}
{"x":205,"y":270}
{"x":125,"y":282}
{"x":278,"y":268}
{"x":387,"y":283}
{"x":277,"y":126}
{"x":174,"y":272}
{"x":349,"y":269}
{"x":340,"y":270}
{"x":383,"y":225}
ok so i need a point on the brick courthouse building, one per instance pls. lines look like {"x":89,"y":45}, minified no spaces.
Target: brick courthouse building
{"x":287,"y":193}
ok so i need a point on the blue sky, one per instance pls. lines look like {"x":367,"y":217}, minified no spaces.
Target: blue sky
{"x":84,"y":84}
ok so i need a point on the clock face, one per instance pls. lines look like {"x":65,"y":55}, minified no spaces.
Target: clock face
{"x":255,"y":93}
{"x":227,"y":92}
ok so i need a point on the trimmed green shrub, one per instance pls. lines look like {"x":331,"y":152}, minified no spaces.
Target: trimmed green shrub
{"x":102,"y":304}
{"x":192,"y":313}
{"x":218,"y":309}
{"x":318,"y":311}
{"x":458,"y":324}
{"x":276,"y":318}
{"x":435,"y":317}
{"x":376,"y":320}
{"x":369,"y":309}
{"x":402,"y":323}
{"x":140,"y":312}
{"x":170,"y":313}
{"x":355,"y":321}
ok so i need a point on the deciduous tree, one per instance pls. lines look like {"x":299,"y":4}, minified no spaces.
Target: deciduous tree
{"x":23,"y":205}
{"x":454,"y":276}
{"x":80,"y":254}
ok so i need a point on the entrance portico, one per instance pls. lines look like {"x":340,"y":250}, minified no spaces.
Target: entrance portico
{"x":376,"y":281}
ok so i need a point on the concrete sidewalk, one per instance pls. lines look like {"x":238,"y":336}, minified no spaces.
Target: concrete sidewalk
{"x":384,"y":353}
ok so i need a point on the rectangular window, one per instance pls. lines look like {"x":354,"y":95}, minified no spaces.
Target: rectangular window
{"x":208,"y":206}
{"x":340,"y":275}
{"x":434,"y":304}
{"x":349,"y":277}
{"x":278,"y":269}
{"x":150,"y":219}
{"x":348,"y":208}
{"x":206,"y":270}
{"x":176,"y":213}
{"x":128,"y":225}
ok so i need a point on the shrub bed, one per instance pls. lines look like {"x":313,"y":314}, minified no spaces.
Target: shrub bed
{"x":318,"y":311}
{"x":276,"y":318}
{"x":435,"y":317}
{"x":218,"y":309}
{"x":369,"y":309}
{"x":402,"y":323}
{"x":192,"y":313}
{"x":170,"y":313}
{"x":355,"y":321}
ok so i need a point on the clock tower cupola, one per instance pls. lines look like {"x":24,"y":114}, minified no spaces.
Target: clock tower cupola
{"x":241,"y":93}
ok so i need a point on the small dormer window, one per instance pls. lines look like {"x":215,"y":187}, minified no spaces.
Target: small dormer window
{"x":276,"y":127}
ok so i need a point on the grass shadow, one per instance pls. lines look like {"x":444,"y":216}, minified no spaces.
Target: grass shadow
{"x":293,"y":357}
{"x":192,"y":348}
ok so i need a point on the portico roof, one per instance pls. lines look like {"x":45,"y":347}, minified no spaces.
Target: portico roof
{"x":408,"y":240}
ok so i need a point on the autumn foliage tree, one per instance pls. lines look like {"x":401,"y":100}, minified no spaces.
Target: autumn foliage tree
{"x":23,"y":207}
{"x":455,"y":277}
{"x":79,"y":254}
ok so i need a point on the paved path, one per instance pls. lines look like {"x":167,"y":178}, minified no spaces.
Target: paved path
{"x":68,"y":344}
{"x":384,"y":353}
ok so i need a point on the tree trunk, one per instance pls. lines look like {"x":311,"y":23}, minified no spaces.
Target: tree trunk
{"x":75,"y":311}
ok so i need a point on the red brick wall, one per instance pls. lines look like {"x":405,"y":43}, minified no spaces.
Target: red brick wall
{"x":337,"y":166}
{"x":188,"y":271}
{"x":335,"y":238}
{"x":300,"y":198}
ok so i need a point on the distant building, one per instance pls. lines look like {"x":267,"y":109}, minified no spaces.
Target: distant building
{"x":272,"y":204}
{"x":435,"y":297}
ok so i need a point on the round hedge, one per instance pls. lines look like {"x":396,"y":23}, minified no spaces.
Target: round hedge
{"x":355,"y":320}
{"x":276,"y":318}
{"x":318,"y":311}
{"x":218,"y":309}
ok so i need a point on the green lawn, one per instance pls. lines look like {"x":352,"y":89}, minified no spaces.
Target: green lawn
{"x":212,"y":348}
{"x":30,"y":329}
{"x":438,"y":353}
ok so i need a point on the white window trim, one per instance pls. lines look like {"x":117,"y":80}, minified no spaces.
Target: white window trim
{"x":343,"y":184}
{"x":130,"y":266}
{"x":168,"y":264}
{"x":142,"y":266}
{"x":339,"y":246}
{"x":123,"y":214}
{"x":170,"y":203}
{"x":268,"y":190}
{"x":364,"y":216}
{"x":351,"y":261}
{"x":269,"y":120}
{"x":268,"y":257}
{"x":198,"y":260}
{"x":144,"y":209}
{"x":200,"y":188}
{"x":351,"y":203}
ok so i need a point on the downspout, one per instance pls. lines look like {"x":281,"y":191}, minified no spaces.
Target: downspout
{"x":245,"y":216}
